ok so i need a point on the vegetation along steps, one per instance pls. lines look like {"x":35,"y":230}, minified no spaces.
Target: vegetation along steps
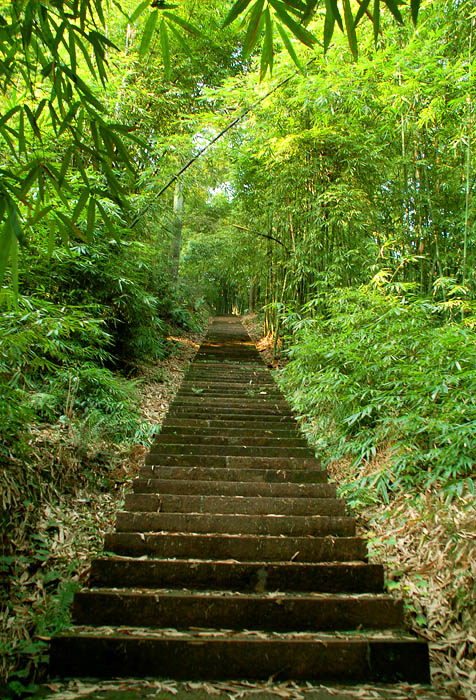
{"x":233,"y":557}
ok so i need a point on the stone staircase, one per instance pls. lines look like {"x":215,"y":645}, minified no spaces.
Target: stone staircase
{"x":233,"y":558}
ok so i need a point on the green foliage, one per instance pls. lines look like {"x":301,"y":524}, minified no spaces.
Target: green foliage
{"x":370,"y":370}
{"x":261,"y":17}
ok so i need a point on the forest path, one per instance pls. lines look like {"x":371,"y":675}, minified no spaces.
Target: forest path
{"x":233,"y":557}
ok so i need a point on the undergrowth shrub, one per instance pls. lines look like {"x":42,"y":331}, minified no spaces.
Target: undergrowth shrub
{"x":371,"y":369}
{"x":51,"y":373}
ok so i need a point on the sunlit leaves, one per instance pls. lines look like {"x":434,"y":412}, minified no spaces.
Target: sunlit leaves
{"x":296,"y":15}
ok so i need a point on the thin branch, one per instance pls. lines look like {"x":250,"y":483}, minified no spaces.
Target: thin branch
{"x":263,"y":235}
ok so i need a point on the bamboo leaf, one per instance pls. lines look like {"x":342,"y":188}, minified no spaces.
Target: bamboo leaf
{"x":65,"y":165}
{"x":51,"y":238}
{"x":148,"y":33}
{"x":164,"y":45}
{"x":415,"y":5}
{"x":14,"y":221}
{"x":298,"y":30}
{"x":350,"y":28}
{"x":329,"y":24}
{"x":289,"y":47}
{"x":138,"y":11}
{"x":267,"y":50}
{"x":236,"y":10}
{"x":106,"y":219}
{"x":5,"y":247}
{"x":72,"y":49}
{"x":297,"y":5}
{"x":376,"y":16}
{"x":182,"y":42}
{"x":10,"y":113}
{"x":361,"y":11}
{"x":393,"y":7}
{"x":33,"y":220}
{"x":87,"y":58}
{"x":310,"y":7}
{"x":336,"y":14}
{"x":21,"y":133}
{"x":98,"y":5}
{"x":253,"y":27}
{"x":91,"y":218}
{"x":186,"y":25}
{"x":83,"y":198}
{"x":32,"y":120}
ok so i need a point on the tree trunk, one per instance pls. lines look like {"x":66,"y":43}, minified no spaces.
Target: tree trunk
{"x":177,"y":224}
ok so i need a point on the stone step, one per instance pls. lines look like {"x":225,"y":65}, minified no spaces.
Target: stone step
{"x":231,"y":379}
{"x":251,"y":505}
{"x":293,"y":476}
{"x":250,"y":424}
{"x":351,"y":577}
{"x":239,"y":401}
{"x":378,"y":657}
{"x":280,"y":612}
{"x":236,"y":523}
{"x":253,"y":386}
{"x":231,"y":432}
{"x":218,"y":357}
{"x":211,"y":409}
{"x":237,"y":547}
{"x":234,"y":462}
{"x":164,"y":448}
{"x":197,"y":438}
{"x":233,"y":488}
{"x":233,"y":557}
{"x":224,"y":398}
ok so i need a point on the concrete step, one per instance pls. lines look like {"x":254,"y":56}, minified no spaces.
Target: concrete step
{"x":352,"y":577}
{"x":280,"y":612}
{"x":236,"y":547}
{"x":293,"y":476}
{"x":250,"y":505}
{"x":385,"y":657}
{"x":236,"y":523}
{"x":233,"y":488}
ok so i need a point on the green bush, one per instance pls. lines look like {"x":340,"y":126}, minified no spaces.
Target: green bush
{"x":373,"y":370}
